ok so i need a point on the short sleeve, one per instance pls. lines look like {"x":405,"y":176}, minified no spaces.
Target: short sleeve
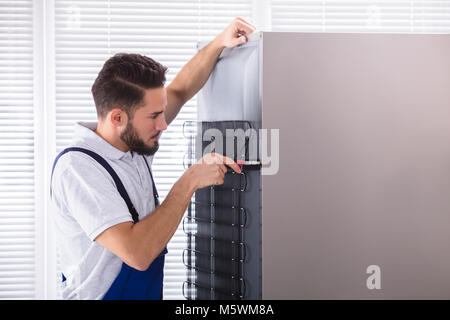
{"x":90,"y":195}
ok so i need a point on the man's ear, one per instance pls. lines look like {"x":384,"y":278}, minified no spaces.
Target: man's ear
{"x":118,"y":117}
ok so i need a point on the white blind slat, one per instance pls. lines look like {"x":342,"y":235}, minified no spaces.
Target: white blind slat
{"x":399,"y":16}
{"x":17,"y":225}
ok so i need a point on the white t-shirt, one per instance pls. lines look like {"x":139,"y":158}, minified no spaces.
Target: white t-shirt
{"x":86,"y":203}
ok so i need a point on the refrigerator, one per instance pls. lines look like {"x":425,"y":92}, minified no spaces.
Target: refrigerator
{"x":344,"y":142}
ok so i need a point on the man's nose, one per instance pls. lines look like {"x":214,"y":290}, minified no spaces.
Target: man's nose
{"x":161,"y":123}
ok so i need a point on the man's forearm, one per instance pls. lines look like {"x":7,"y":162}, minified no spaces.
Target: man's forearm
{"x":151,"y":234}
{"x":191,"y":78}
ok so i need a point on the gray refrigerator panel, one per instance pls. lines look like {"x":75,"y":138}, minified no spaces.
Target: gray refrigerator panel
{"x":363,"y":187}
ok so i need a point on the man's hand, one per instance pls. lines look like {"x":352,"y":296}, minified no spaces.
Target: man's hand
{"x":235,"y":33}
{"x":211,"y":169}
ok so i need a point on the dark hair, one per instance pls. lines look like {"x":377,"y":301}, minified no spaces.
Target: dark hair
{"x":122,"y":82}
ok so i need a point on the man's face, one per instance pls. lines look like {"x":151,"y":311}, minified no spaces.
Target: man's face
{"x":142,"y":132}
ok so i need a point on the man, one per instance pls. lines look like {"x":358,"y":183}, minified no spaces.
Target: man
{"x":112,"y":234}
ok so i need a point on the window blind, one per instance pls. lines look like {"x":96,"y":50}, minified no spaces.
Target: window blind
{"x":87,"y":33}
{"x":17,"y":226}
{"x":393,"y":16}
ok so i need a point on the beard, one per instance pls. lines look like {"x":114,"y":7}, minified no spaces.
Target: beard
{"x":131,"y":138}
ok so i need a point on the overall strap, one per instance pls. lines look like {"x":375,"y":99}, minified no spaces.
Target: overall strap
{"x":117,"y":181}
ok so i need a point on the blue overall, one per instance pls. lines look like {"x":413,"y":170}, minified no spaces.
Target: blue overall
{"x":130,"y":283}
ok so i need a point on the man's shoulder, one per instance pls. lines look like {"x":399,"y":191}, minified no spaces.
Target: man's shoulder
{"x":76,"y":161}
{"x":71,"y":156}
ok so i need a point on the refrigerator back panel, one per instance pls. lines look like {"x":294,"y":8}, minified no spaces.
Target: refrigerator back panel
{"x":223,"y":226}
{"x":232,"y":90}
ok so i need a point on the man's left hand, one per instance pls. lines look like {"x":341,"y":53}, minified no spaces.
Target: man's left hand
{"x":235,"y":33}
